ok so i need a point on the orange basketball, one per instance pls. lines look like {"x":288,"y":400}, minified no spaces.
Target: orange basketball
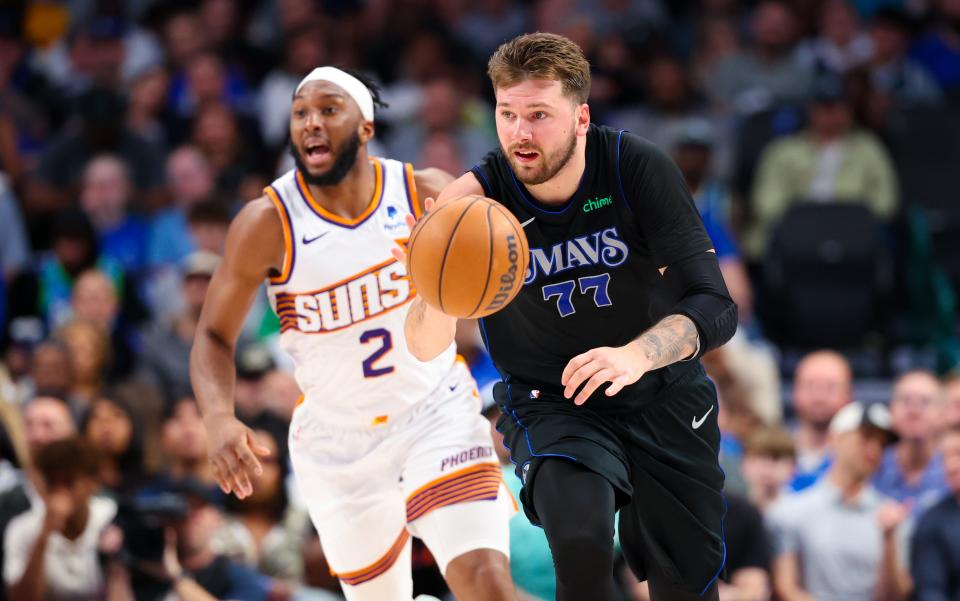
{"x":468,"y":257}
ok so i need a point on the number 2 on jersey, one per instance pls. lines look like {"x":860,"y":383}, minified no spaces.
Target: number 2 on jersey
{"x":386,"y":345}
{"x":563,"y":292}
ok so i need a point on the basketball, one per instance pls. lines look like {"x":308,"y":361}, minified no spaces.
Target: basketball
{"x":468,"y":257}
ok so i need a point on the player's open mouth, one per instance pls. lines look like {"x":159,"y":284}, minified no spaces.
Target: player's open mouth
{"x":316,"y":153}
{"x":526,"y":156}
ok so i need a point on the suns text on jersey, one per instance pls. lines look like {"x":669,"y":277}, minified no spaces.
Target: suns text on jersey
{"x":349,"y":301}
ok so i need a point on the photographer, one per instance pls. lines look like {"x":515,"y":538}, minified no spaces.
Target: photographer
{"x":181,"y":520}
{"x":51,"y":552}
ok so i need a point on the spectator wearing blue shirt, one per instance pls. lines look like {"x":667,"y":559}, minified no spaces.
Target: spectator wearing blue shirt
{"x":939,"y":49}
{"x":822,"y":385}
{"x":105,"y":196}
{"x":935,"y":547}
{"x":912,"y":470}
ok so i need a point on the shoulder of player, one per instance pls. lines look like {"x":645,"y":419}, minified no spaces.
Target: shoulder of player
{"x":256,"y":233}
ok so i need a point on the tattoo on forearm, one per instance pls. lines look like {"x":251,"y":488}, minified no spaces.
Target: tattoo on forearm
{"x":672,"y":339}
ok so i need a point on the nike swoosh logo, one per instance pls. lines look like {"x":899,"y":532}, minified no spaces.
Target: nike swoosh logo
{"x":314,"y":239}
{"x":454,"y":387}
{"x":527,"y":222}
{"x":699,"y":422}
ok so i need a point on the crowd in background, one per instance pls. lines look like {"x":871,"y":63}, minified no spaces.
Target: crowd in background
{"x":132,"y":131}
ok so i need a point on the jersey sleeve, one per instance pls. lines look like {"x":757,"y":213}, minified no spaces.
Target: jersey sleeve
{"x":660,"y":200}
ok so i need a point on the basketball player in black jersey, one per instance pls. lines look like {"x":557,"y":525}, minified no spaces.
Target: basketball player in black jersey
{"x":605,"y":404}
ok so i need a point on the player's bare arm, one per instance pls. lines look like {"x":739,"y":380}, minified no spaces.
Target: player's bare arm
{"x":429,"y":331}
{"x":254,"y":250}
{"x":676,"y":337}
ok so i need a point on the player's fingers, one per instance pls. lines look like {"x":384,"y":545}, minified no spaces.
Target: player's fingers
{"x":399,"y":254}
{"x":248,"y":460}
{"x":220,"y":475}
{"x":573,"y":365}
{"x":580,"y":376}
{"x":236,"y":475}
{"x":616,"y":385}
{"x":429,"y":203}
{"x":593,"y":383}
{"x":411,"y":221}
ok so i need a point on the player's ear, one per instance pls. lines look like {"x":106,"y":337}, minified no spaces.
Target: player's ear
{"x":366,"y":131}
{"x":583,"y":119}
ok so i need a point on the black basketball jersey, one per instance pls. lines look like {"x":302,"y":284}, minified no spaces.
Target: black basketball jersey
{"x":593,"y":278}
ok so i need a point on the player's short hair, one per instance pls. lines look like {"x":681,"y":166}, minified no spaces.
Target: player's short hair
{"x":542,"y":56}
{"x":770,"y":441}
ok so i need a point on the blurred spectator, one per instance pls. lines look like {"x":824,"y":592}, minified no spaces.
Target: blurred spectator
{"x":46,"y":292}
{"x":233,"y":153}
{"x":51,"y":372}
{"x":842,"y":44}
{"x":717,"y":41}
{"x":91,"y":55}
{"x":441,"y":150}
{"x":166,"y":347}
{"x":441,"y":111}
{"x":898,"y":79}
{"x":105,"y":196}
{"x":484,"y":26}
{"x":836,"y":540}
{"x":939,"y":48}
{"x":765,"y":74}
{"x":110,"y":427}
{"x":24,"y":100}
{"x":192,"y":180}
{"x":253,"y":364}
{"x":672,"y":105}
{"x":318,"y":583}
{"x":184,"y":443}
{"x":51,"y":551}
{"x":280,"y":393}
{"x":206,"y":80}
{"x":183,"y":38}
{"x":633,"y":18}
{"x":90,"y":354}
{"x":935,"y":546}
{"x":208,"y":223}
{"x":223,"y":23}
{"x":303,"y":50}
{"x":822,"y":385}
{"x":263,"y":531}
{"x":99,"y":128}
{"x":148,"y":114}
{"x":94,"y":299}
{"x":830,"y":161}
{"x":14,"y":246}
{"x":769,"y":460}
{"x":912,"y":470}
{"x":951,"y":395}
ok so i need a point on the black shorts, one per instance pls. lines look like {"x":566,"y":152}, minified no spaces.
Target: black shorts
{"x":660,"y":459}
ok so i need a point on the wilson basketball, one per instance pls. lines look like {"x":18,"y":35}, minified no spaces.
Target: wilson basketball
{"x":468,"y":257}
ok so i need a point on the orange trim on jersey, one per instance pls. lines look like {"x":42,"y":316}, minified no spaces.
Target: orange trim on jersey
{"x":379,"y":566}
{"x":336,"y":219}
{"x":288,"y":250}
{"x":299,"y":401}
{"x":412,"y":190}
{"x":475,"y":483}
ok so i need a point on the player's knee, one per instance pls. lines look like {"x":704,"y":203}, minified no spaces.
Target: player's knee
{"x":580,"y":543}
{"x":481,"y":568}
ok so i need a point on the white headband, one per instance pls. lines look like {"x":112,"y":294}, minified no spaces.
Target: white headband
{"x":350,"y":84}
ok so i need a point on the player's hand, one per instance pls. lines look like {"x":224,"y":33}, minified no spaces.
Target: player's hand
{"x":399,"y":253}
{"x":234,"y":453}
{"x":620,"y":366}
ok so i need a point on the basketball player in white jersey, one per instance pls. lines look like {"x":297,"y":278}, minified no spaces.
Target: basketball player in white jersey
{"x":383,"y":446}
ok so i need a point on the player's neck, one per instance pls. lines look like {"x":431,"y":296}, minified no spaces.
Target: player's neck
{"x":559,"y":188}
{"x":353,"y":194}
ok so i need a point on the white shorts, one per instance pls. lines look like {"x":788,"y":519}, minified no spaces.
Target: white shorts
{"x":367,"y":490}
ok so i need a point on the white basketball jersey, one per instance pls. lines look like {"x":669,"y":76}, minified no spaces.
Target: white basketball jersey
{"x":342,"y":300}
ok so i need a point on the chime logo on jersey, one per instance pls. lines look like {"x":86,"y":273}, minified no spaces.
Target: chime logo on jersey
{"x":604,"y":247}
{"x":356,"y":299}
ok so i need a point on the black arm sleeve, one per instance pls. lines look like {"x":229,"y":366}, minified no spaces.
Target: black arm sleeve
{"x":661,"y":202}
{"x":698,"y":283}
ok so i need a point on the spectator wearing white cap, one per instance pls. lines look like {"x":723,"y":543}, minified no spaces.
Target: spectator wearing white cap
{"x":836,"y":541}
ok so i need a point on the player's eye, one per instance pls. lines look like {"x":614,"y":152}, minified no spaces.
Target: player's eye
{"x":300,"y":113}
{"x":539,"y":115}
{"x":330,"y":110}
{"x":506,"y":114}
